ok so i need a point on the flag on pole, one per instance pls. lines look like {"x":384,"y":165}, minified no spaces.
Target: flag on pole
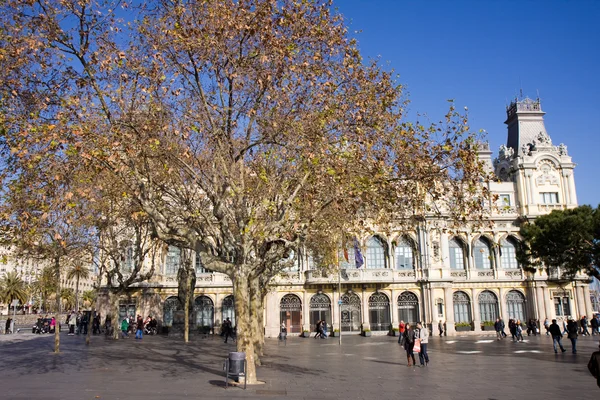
{"x":346,"y":254}
{"x":358,"y":257}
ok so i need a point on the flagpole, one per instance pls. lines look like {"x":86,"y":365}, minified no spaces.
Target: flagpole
{"x":337,"y":259}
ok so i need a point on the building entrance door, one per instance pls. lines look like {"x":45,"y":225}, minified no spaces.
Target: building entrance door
{"x":351,"y":317}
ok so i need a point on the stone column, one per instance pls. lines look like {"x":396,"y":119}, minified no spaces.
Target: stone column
{"x":365,"y":310}
{"x":272,"y":317}
{"x":589,"y":311}
{"x":565,"y":187}
{"x":335,"y":309}
{"x":394,"y":308}
{"x":549,"y":304}
{"x":475,"y":308}
{"x":502,"y":308}
{"x":541,"y":309}
{"x":449,"y":312}
{"x":305,"y":311}
{"x":434,"y":314}
{"x":218,"y":312}
{"x":444,"y":250}
{"x":580,"y":302}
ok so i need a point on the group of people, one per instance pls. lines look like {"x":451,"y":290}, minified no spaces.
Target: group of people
{"x":321,"y":329}
{"x":581,"y":325}
{"x":227,"y":329}
{"x":572,"y":329}
{"x":414,"y":339}
{"x":77,"y":323}
{"x":139,"y":325}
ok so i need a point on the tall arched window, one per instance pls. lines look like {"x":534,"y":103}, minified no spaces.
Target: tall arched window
{"x":171,"y":305}
{"x":290,"y":313}
{"x":228,"y":309}
{"x":515,"y":305}
{"x":379,"y":312}
{"x":488,"y":306}
{"x":408,"y":307}
{"x":404,"y":254}
{"x":173,"y":260}
{"x":509,"y":254}
{"x":462,"y":307}
{"x":457,"y":254}
{"x":205,"y":311}
{"x":481,"y":254}
{"x":375,"y":253}
{"x":350,"y":310}
{"x":320,"y":309}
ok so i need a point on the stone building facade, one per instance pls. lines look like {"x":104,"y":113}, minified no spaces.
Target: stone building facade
{"x":430,"y":273}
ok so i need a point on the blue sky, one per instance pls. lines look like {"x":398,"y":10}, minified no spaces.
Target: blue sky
{"x":481,"y":53}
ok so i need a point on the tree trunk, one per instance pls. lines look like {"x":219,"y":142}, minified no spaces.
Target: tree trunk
{"x":77,"y":293}
{"x":245,"y":342}
{"x":186,"y":310}
{"x":57,"y":329}
{"x":115,"y":319}
{"x":89,"y":331}
{"x":257,"y":318}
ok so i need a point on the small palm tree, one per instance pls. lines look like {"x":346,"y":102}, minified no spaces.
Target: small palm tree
{"x":12,"y":287}
{"x":67,"y":296}
{"x":45,"y":286}
{"x":78,"y":272}
{"x":89,"y":296}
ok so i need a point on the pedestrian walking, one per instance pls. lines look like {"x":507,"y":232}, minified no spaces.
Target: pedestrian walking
{"x":503,"y":326}
{"x":409,"y":344}
{"x":7,"y":326}
{"x":572,"y":334}
{"x":547,"y":326}
{"x":594,"y":365}
{"x":554,"y":330}
{"x":519,"y":330}
{"x":319,"y":329}
{"x":440,"y":327}
{"x":227,"y":328}
{"x":139,"y":333}
{"x":594,"y":323}
{"x":512,"y":327}
{"x":584,"y":326}
{"x":564,"y":326}
{"x":498,"y":329}
{"x":324,"y":332}
{"x":424,"y":338}
{"x":125,"y":328}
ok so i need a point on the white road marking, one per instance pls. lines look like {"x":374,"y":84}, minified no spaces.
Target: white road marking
{"x":469,"y":352}
{"x":451,"y":341}
{"x":527,"y":351}
{"x":485,"y":341}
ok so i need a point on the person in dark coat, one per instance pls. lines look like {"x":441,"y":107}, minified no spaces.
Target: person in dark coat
{"x":554,"y":330}
{"x":572,"y":334}
{"x":594,"y":323}
{"x":594,"y":366}
{"x":409,"y":344}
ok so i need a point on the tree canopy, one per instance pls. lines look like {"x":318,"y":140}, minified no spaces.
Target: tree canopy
{"x":240,"y":129}
{"x":564,"y":242}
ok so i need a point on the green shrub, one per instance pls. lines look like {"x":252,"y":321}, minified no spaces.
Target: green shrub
{"x":462,"y":324}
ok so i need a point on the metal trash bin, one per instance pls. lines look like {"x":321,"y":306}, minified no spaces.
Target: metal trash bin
{"x":235,"y":366}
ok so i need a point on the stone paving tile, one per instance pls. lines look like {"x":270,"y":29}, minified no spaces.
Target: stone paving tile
{"x":362,"y":368}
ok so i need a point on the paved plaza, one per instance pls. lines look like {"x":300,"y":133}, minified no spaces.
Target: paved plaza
{"x":475,"y":367}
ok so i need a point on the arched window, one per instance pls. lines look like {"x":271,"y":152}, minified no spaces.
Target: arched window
{"x":228,"y":309}
{"x":515,"y":305}
{"x":509,"y":254}
{"x":320,"y":309}
{"x":290,"y":312}
{"x":375,"y":253}
{"x":408,"y":307}
{"x":171,"y":305}
{"x":199,"y":265}
{"x":379,"y":312}
{"x":404,"y":254}
{"x":457,"y":255}
{"x":350,"y":310}
{"x":462,"y":307}
{"x":488,"y":306}
{"x":481,"y":254}
{"x":205,"y":311}
{"x":173,"y":260}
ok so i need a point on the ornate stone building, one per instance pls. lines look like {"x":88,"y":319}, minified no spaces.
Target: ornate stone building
{"x":465,"y":279}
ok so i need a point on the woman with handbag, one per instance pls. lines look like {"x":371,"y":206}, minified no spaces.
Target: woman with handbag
{"x":409,"y":344}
